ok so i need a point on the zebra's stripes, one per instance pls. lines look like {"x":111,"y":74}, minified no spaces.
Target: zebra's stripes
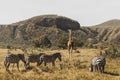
{"x":33,"y":58}
{"x":13,"y":58}
{"x":98,"y":64}
{"x":50,"y":58}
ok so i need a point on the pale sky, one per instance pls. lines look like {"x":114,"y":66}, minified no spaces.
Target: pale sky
{"x":86,"y":12}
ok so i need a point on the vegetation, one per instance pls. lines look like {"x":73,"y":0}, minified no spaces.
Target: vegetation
{"x":51,"y":31}
{"x":113,"y":51}
{"x":54,"y":27}
{"x":74,"y":69}
{"x":42,"y":42}
{"x":62,"y":43}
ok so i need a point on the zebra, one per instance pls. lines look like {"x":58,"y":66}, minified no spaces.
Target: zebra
{"x":32,"y":58}
{"x":50,"y":58}
{"x":98,"y":64}
{"x":13,"y":58}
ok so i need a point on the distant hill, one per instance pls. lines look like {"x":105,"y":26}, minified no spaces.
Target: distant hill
{"x":23,"y":32}
{"x":115,"y":23}
{"x":108,"y":31}
{"x":54,"y":27}
{"x":61,"y":22}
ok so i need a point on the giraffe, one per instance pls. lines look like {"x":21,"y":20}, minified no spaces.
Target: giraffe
{"x":70,"y":43}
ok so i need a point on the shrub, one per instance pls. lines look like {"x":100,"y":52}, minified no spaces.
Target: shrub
{"x":62,"y":42}
{"x":8,"y":47}
{"x":78,"y":42}
{"x":113,"y":51}
{"x":90,"y":45}
{"x":42,"y":42}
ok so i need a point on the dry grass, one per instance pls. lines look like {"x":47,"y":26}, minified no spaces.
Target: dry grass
{"x":74,"y":69}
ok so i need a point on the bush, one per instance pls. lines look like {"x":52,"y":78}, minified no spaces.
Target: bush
{"x":8,"y":47}
{"x":78,"y":42}
{"x":42,"y":42}
{"x":113,"y":51}
{"x":62,"y":42}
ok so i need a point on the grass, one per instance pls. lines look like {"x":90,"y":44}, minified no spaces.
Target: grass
{"x":74,"y":69}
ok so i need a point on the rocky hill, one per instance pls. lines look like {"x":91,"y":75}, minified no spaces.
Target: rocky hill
{"x":54,"y":27}
{"x":23,"y":32}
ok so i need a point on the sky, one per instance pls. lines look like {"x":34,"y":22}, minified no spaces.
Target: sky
{"x":86,"y":12}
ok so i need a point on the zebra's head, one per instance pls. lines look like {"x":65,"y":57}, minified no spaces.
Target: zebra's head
{"x":58,"y":55}
{"x":91,"y":68}
{"x":22,"y":57}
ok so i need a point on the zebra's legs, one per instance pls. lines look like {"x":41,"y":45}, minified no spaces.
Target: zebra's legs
{"x":13,"y":67}
{"x":45,"y":63}
{"x":96,"y":67}
{"x":39,"y":63}
{"x":18,"y":66}
{"x":102,"y":69}
{"x":7,"y":66}
{"x":27,"y":64}
{"x":53,"y":63}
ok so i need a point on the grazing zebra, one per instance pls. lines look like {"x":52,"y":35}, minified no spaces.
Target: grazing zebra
{"x":50,"y":58}
{"x":32,"y":58}
{"x":13,"y":58}
{"x":98,"y":63}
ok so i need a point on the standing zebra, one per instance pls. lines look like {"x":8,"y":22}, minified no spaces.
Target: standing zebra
{"x":13,"y":58}
{"x":98,"y":63}
{"x":32,"y":58}
{"x":50,"y":58}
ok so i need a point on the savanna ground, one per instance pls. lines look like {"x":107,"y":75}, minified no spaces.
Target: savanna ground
{"x":74,"y":69}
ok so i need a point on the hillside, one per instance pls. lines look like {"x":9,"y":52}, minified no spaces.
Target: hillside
{"x":110,"y":23}
{"x":108,"y":31}
{"x":54,"y":27}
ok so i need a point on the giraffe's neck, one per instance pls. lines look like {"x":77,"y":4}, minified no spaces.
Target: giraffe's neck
{"x":70,"y":35}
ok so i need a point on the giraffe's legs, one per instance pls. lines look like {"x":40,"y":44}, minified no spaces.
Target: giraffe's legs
{"x":69,"y":52}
